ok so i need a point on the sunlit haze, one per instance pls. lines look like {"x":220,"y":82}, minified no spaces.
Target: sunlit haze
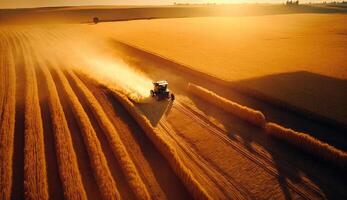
{"x":42,"y":3}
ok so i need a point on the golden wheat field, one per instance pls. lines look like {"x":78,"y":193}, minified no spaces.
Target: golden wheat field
{"x":77,"y":120}
{"x":254,"y":52}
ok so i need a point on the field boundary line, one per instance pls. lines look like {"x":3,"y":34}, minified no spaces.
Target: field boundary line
{"x":187,"y":69}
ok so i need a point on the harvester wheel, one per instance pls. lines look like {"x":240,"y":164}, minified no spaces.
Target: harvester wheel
{"x":152,"y":93}
{"x":172,"y":97}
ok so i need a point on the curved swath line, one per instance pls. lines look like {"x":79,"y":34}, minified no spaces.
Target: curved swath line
{"x":35,"y":176}
{"x":66,"y":156}
{"x":264,"y":163}
{"x":4,"y":45}
{"x":238,"y":191}
{"x":7,"y":124}
{"x":114,"y":140}
{"x":98,"y":160}
{"x":166,"y":149}
{"x":2,"y":71}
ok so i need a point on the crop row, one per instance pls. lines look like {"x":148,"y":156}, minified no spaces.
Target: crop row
{"x":7,"y":120}
{"x":102,"y":174}
{"x":301,"y":140}
{"x":168,"y":151}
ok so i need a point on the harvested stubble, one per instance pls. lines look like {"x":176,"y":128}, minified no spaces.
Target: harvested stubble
{"x":248,"y":114}
{"x":165,"y":149}
{"x":308,"y":144}
{"x":114,"y":140}
{"x":66,"y":156}
{"x":7,"y":122}
{"x":102,"y":174}
{"x":35,"y":175}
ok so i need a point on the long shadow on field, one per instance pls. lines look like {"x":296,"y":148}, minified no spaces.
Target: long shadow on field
{"x":311,"y":95}
{"x":163,"y":173}
{"x":289,"y":161}
{"x":304,"y":86}
{"x":155,"y":110}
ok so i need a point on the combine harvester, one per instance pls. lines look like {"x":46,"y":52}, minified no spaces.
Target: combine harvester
{"x":161,"y":91}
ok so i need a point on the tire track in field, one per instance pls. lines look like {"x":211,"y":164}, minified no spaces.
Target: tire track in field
{"x":126,"y":192}
{"x":159,"y":178}
{"x":7,"y":120}
{"x":306,"y":185}
{"x":307,"y":190}
{"x":263,"y":156}
{"x":219,"y":186}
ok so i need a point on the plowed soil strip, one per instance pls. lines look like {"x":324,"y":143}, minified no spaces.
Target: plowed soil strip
{"x":35,"y":176}
{"x":97,"y":160}
{"x":7,"y":122}
{"x":160,"y":180}
{"x":109,"y":139}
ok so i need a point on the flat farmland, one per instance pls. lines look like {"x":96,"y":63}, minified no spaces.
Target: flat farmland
{"x":77,"y":120}
{"x":237,"y":48}
{"x":291,"y":60}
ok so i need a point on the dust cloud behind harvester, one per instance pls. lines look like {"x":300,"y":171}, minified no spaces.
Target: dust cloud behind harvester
{"x":91,"y":55}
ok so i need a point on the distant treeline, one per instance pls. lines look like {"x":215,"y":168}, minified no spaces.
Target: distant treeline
{"x":103,"y":14}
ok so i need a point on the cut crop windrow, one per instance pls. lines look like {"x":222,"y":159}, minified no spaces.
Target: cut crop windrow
{"x":7,"y":121}
{"x":66,"y":156}
{"x":169,"y":152}
{"x":116,"y":144}
{"x":35,"y":175}
{"x":248,"y":114}
{"x":308,"y":143}
{"x":98,"y":161}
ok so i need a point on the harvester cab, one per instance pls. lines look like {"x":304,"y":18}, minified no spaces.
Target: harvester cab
{"x":161,"y":91}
